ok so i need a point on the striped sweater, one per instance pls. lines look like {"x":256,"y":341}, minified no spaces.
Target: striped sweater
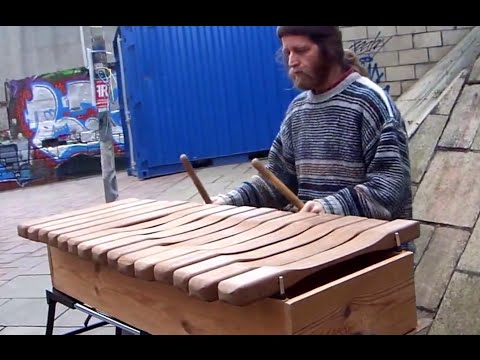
{"x":346,"y":148}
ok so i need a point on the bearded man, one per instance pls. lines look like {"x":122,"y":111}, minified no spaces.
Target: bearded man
{"x":342,"y":146}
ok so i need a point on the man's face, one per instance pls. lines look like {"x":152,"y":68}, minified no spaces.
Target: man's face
{"x":307,"y":69}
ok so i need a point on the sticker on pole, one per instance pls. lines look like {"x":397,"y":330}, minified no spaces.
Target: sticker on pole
{"x":101,"y":96}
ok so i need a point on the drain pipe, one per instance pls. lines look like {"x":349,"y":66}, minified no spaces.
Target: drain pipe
{"x":128,"y":118}
{"x":82,"y":40}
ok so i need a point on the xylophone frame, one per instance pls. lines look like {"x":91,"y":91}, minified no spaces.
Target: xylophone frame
{"x":146,"y":307}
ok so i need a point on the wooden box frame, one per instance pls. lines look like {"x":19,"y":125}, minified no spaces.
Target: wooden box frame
{"x":371,"y":295}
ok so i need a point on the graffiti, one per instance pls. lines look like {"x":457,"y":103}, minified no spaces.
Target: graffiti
{"x":370,"y":46}
{"x":52,"y":120}
{"x":374,"y":72}
{"x":367,"y":49}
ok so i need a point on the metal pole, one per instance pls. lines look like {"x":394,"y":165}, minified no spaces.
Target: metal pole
{"x":102,"y":97}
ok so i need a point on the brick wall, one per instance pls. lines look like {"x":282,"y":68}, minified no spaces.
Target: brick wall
{"x":397,"y":56}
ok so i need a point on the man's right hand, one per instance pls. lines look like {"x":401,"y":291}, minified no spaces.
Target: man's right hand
{"x":216,"y":200}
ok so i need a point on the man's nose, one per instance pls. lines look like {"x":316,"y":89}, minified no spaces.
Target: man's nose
{"x":293,"y":60}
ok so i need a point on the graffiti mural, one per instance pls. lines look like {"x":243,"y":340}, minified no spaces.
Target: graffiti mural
{"x":366,"y":51}
{"x":51,"y":121}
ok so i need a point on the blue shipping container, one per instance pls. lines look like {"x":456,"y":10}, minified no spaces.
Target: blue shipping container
{"x":212,"y":92}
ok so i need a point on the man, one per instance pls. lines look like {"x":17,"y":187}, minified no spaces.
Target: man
{"x":342,"y":146}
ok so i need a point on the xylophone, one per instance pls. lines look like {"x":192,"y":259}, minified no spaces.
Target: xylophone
{"x":181,"y":267}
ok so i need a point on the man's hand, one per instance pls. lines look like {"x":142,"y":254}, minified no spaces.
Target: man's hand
{"x":216,"y":200}
{"x":313,"y":207}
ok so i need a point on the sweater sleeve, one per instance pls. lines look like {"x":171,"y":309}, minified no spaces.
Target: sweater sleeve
{"x":386,"y":188}
{"x":258,"y":192}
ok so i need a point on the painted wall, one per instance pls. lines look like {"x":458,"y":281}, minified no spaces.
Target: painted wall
{"x":397,"y":56}
{"x":52,"y":120}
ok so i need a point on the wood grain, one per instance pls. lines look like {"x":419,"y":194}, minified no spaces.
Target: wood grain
{"x":314,"y":241}
{"x":150,"y":268}
{"x":263,"y":282}
{"x":377,"y":300}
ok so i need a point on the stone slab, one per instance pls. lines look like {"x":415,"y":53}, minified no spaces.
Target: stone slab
{"x":41,"y":269}
{"x":74,"y":318}
{"x":423,"y":143}
{"x":421,"y":243}
{"x":27,"y":248}
{"x":414,"y":190}
{"x":213,"y":189}
{"x":470,"y":260}
{"x":450,"y":191}
{"x":437,"y":265}
{"x":27,"y":312}
{"x":445,"y":105}
{"x":31,"y":286}
{"x":464,"y":121}
{"x":476,"y":142}
{"x":474,"y":77}
{"x":459,"y":312}
{"x":26,"y":262}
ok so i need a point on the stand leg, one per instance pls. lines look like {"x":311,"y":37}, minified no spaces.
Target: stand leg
{"x":51,"y":313}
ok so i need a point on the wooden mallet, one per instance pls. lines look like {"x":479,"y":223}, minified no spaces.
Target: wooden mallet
{"x":191,"y":172}
{"x":280,"y":186}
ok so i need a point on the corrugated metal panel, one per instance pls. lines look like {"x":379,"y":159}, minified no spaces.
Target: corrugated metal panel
{"x":207,"y":91}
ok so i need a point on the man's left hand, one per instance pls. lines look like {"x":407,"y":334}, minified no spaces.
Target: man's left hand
{"x":313,"y":207}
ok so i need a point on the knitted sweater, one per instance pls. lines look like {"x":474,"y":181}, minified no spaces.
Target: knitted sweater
{"x":346,"y":148}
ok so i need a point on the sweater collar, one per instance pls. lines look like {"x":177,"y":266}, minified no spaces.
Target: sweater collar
{"x":348,"y":78}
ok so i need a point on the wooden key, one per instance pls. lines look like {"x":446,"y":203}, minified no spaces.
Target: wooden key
{"x":172,"y":221}
{"x":185,"y":229}
{"x":262,"y":282}
{"x":99,"y":252}
{"x":36,"y":232}
{"x":154,"y":253}
{"x":320,"y":238}
{"x":121,"y":230}
{"x":262,"y":246}
{"x":60,"y":238}
{"x":144,"y":267}
{"x":164,"y":270}
{"x":151,"y":239}
{"x":100,"y":223}
{"x":22,"y":229}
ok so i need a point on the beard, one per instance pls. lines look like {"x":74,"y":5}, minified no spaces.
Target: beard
{"x":310,"y":79}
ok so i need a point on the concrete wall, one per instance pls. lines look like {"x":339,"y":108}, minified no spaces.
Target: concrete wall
{"x":33,"y":50}
{"x":399,"y":55}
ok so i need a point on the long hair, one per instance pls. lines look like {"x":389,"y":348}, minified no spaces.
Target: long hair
{"x":351,"y":59}
{"x":329,"y":41}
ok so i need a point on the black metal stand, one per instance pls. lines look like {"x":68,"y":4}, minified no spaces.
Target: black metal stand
{"x":55,"y":296}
